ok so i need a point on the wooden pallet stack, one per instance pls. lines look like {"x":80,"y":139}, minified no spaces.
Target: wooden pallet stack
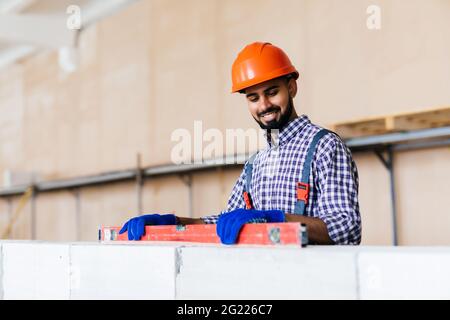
{"x":433,"y":118}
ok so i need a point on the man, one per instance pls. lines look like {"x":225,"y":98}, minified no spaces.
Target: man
{"x":306,"y":174}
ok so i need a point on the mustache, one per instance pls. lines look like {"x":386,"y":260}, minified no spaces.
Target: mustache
{"x":271,"y":109}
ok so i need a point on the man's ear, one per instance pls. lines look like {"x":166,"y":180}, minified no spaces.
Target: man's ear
{"x":292,"y":87}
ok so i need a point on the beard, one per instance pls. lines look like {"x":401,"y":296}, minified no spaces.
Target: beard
{"x":284,"y":118}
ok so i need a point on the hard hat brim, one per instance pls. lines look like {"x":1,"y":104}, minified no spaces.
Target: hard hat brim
{"x":269,"y":76}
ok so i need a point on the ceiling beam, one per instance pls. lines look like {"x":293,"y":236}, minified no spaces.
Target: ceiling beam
{"x":25,"y":31}
{"x":14,"y":53}
{"x":14,"y":6}
{"x":47,"y":31}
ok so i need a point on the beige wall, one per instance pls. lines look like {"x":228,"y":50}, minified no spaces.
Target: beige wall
{"x":160,"y":65}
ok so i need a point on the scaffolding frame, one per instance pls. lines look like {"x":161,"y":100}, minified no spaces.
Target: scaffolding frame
{"x":385,"y":145}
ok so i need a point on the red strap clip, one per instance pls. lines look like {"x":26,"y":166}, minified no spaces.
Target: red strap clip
{"x":302,"y":191}
{"x":248,"y":200}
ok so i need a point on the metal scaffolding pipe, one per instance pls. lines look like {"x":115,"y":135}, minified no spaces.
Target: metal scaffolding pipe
{"x":117,"y":176}
{"x":368,"y":143}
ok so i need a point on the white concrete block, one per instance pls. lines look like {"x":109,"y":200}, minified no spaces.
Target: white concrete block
{"x":265,"y":273}
{"x":405,"y":273}
{"x":35,"y":270}
{"x":132,"y":271}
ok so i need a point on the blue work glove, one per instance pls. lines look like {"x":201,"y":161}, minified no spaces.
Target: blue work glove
{"x":136,"y":226}
{"x":230,"y":223}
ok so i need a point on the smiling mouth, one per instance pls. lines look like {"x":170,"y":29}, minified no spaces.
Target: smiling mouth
{"x":269,"y":115}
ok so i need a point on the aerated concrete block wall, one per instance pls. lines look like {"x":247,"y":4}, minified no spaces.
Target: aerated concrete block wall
{"x":39,"y":270}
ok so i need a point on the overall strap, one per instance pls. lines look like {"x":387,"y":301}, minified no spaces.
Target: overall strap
{"x":248,"y":181}
{"x":303,"y":185}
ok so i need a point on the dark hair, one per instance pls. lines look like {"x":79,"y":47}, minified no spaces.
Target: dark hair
{"x":286,"y":78}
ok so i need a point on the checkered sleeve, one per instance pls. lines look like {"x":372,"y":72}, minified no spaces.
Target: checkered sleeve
{"x":337,"y":184}
{"x":234,"y":202}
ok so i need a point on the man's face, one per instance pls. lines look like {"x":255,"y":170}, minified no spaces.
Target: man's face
{"x":270,"y":103}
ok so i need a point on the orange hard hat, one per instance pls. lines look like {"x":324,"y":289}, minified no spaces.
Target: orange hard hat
{"x":259,"y":62}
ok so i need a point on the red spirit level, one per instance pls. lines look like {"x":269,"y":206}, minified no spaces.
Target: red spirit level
{"x":255,"y":233}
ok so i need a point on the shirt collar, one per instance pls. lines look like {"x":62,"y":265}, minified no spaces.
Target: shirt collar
{"x":290,"y":130}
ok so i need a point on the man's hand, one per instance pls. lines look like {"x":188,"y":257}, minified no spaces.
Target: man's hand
{"x":230,"y":223}
{"x":136,"y":226}
{"x":317,"y":229}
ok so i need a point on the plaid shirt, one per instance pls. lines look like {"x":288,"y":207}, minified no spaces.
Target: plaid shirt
{"x":333,"y":195}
